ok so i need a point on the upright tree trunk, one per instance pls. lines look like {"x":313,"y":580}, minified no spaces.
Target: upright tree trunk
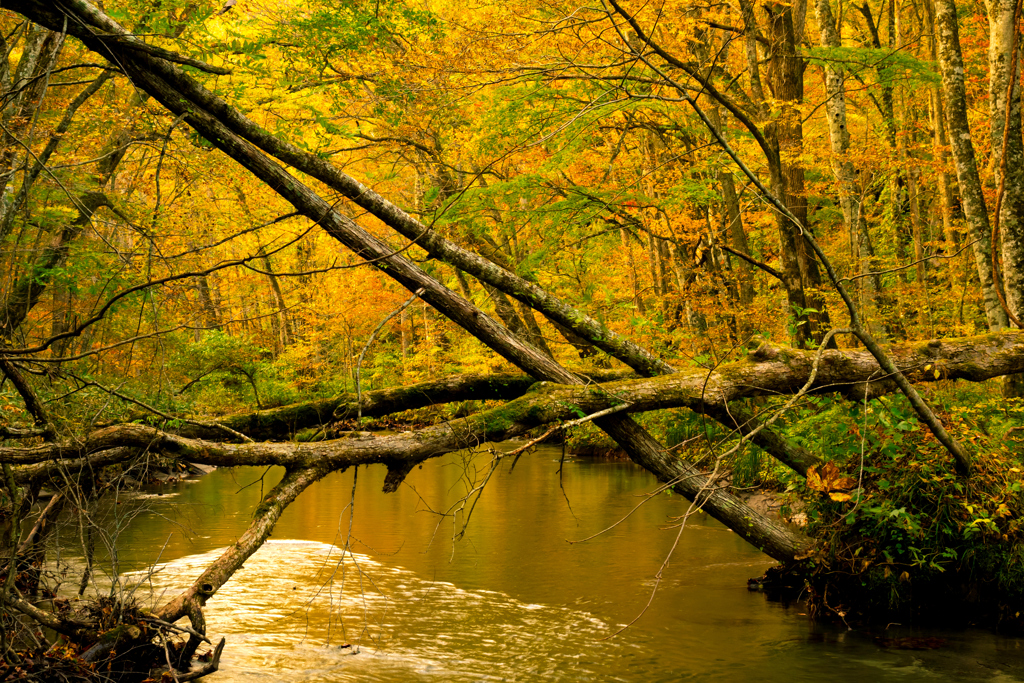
{"x":634,"y":277}
{"x":940,"y":142}
{"x":954,"y":92}
{"x":62,"y":318}
{"x":919,"y":226}
{"x":940,"y":145}
{"x":212,"y":316}
{"x":281,"y":323}
{"x":1005,"y":108}
{"x":38,"y":56}
{"x":870,"y":287}
{"x":790,"y":271}
{"x":733,"y":220}
{"x":786,"y":71}
{"x":737,"y":237}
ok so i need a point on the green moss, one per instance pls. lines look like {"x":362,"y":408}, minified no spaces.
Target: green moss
{"x":262,"y":509}
{"x":311,"y":434}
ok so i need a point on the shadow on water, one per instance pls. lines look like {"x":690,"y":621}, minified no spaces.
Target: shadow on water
{"x":512,"y":600}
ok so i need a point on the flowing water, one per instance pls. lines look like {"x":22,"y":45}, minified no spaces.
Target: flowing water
{"x":513,"y":599}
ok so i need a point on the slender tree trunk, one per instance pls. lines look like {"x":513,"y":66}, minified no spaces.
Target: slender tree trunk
{"x":954,"y":92}
{"x":792,"y":279}
{"x":786,"y":69}
{"x":733,"y":219}
{"x":870,"y":287}
{"x":737,"y":237}
{"x":282,"y":325}
{"x":920,"y":227}
{"x":652,"y":264}
{"x":1005,"y":108}
{"x":212,"y":316}
{"x":63,"y":317}
{"x":940,"y":141}
{"x":634,"y":277}
{"x":38,"y":56}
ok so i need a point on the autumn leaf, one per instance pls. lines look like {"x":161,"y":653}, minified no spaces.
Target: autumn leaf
{"x":828,"y":478}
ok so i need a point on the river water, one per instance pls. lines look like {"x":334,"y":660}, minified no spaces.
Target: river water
{"x":513,"y":599}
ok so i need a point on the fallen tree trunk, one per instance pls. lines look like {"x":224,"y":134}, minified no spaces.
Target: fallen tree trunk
{"x":285,"y":421}
{"x":766,"y":371}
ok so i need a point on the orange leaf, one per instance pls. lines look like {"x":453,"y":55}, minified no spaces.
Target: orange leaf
{"x":828,"y":478}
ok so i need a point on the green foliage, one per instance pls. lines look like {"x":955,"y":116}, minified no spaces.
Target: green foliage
{"x":224,"y":369}
{"x":911,"y":520}
{"x":890,"y":66}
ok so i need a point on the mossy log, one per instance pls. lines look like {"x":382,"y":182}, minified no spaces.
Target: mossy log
{"x":285,"y":421}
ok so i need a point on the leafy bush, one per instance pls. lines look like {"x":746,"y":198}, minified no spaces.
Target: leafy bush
{"x":913,"y":527}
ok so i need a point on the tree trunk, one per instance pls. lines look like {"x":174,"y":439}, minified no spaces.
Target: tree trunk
{"x":842,"y":167}
{"x":733,"y":218}
{"x":211,"y":315}
{"x":634,"y":277}
{"x":1005,"y":109}
{"x":737,"y":237}
{"x":976,"y":213}
{"x":786,"y":70}
{"x":38,"y":56}
{"x":940,"y":142}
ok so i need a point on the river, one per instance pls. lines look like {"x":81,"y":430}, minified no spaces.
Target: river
{"x":513,"y":599}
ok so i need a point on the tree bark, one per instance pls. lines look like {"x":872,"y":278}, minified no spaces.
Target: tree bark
{"x":767,"y":371}
{"x":282,"y":321}
{"x":786,"y":72}
{"x":954,"y":92}
{"x":940,"y":142}
{"x":1007,"y":161}
{"x":843,"y":169}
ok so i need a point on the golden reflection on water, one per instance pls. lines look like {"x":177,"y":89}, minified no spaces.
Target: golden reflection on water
{"x":295,"y":602}
{"x":512,"y":600}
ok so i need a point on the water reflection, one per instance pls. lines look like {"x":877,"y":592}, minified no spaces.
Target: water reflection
{"x":510,"y":601}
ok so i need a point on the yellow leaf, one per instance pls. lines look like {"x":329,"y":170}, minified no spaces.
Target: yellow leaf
{"x":839,"y":497}
{"x":828,"y":478}
{"x":813,"y":480}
